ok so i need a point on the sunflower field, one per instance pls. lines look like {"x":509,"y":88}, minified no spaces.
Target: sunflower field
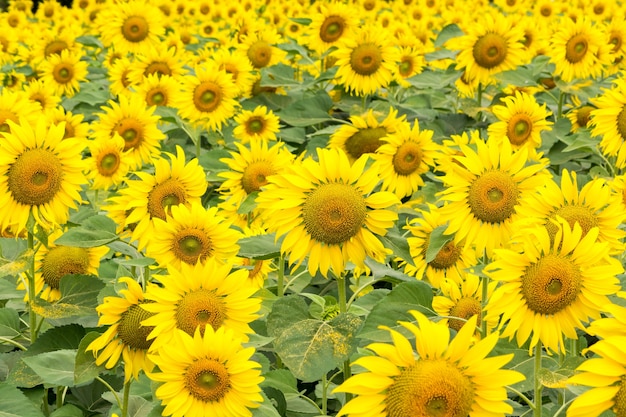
{"x":296,"y":208}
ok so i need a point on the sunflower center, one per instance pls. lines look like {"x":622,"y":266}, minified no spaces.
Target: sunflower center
{"x":551,"y":284}
{"x":446,"y":257}
{"x":433,"y":388}
{"x":492,"y":196}
{"x":156,"y":97}
{"x":366,"y":58}
{"x":192,"y":246}
{"x":615,"y":40}
{"x":168,"y":193}
{"x":35,"y":177}
{"x":255,"y":175}
{"x":200,"y":308}
{"x":333,"y":213}
{"x":255,"y":125}
{"x":131,"y":130}
{"x":207,"y":96}
{"x":583,"y":115}
{"x":366,"y":140}
{"x":260,"y":54}
{"x":55,"y":47}
{"x":519,"y":129}
{"x":620,"y":398}
{"x":464,"y":309}
{"x":332,"y":28}
{"x":621,"y":123}
{"x":573,"y":214}
{"x":4,"y":116}
{"x":130,"y":330}
{"x":159,"y":68}
{"x":576,"y":48}
{"x":135,"y":29}
{"x":108,"y":163}
{"x":490,"y":50}
{"x":406,"y":67}
{"x":63,"y":73}
{"x":207,"y":380}
{"x":61,"y":261}
{"x":408,"y":158}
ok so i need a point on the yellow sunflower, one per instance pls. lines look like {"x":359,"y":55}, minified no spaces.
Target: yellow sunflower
{"x":205,"y":294}
{"x":333,"y":21}
{"x":238,"y":66}
{"x":152,"y":195}
{"x":410,"y":62}
{"x":405,"y":155}
{"x":260,"y":47}
{"x":521,"y":121}
{"x":207,"y":97}
{"x":192,"y":235}
{"x":131,"y":26}
{"x":157,"y":60}
{"x":109,"y":164}
{"x":75,"y":127}
{"x":365,"y":133}
{"x":618,"y":187}
{"x":366,"y":60}
{"x":158,"y":91}
{"x":63,"y":72}
{"x":259,"y":123}
{"x":120,"y":84}
{"x":135,"y":123}
{"x":38,"y":91}
{"x":15,"y":106}
{"x":439,"y":377}
{"x":616,"y":38}
{"x":452,"y":260}
{"x":484,"y":189}
{"x":126,"y":337}
{"x":550,"y":286}
{"x":258,"y":269}
{"x":328,"y":212}
{"x":207,"y":374}
{"x":580,"y":116}
{"x":609,"y":122}
{"x":41,"y":174}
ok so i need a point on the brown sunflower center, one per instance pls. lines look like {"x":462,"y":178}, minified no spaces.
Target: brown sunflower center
{"x":490,"y":50}
{"x":528,"y":38}
{"x":545,"y":11}
{"x":255,"y":125}
{"x":61,"y":261}
{"x":207,"y":380}
{"x":366,"y":58}
{"x":332,"y":28}
{"x":63,"y":73}
{"x":621,"y":123}
{"x":583,"y":115}
{"x":255,"y":175}
{"x":159,"y":68}
{"x":551,"y":284}
{"x":620,"y":398}
{"x":573,"y":214}
{"x":200,"y":308}
{"x":447,"y":256}
{"x":156,"y":97}
{"x":207,"y":96}
{"x":108,"y":163}
{"x":405,"y":68}
{"x":168,"y":193}
{"x":35,"y":177}
{"x":492,"y":196}
{"x":407,"y":159}
{"x":576,"y":48}
{"x":433,"y":388}
{"x":130,"y":330}
{"x":70,"y":132}
{"x":132,"y":131}
{"x":366,"y":140}
{"x":333,"y":213}
{"x":464,"y":309}
{"x":192,"y":246}
{"x":260,"y":54}
{"x":135,"y":29}
{"x":519,"y":129}
{"x":4,"y":116}
{"x":55,"y":47}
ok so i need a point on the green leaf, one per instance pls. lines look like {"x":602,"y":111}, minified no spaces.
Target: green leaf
{"x":434,"y":79}
{"x":308,"y":111}
{"x":89,"y":40}
{"x":286,"y":312}
{"x":380,"y":271}
{"x":248,"y":204}
{"x":80,"y":290}
{"x":57,"y":338}
{"x":266,"y":409}
{"x":85,"y":368}
{"x":55,"y":368}
{"x":9,"y":323}
{"x":398,"y":244}
{"x":17,"y":266}
{"x":259,"y":247}
{"x":15,"y":403}
{"x":279,"y":75}
{"x":282,"y":380}
{"x":8,"y":289}
{"x":140,"y":262}
{"x":67,"y":410}
{"x":95,"y":231}
{"x":19,"y":375}
{"x":448,"y":32}
{"x":436,"y":241}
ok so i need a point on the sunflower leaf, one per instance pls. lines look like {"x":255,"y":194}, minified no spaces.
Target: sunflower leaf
{"x":85,"y":368}
{"x":55,"y":368}
{"x":15,"y":403}
{"x":9,"y":323}
{"x":259,"y":247}
{"x":436,"y":241}
{"x":95,"y":231}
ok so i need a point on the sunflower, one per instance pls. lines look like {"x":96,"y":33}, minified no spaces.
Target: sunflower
{"x":192,"y":235}
{"x":594,"y":205}
{"x":490,"y":46}
{"x":578,"y":49}
{"x":205,"y":294}
{"x":157,"y":60}
{"x":450,"y":262}
{"x":109,"y":164}
{"x":328,"y":25}
{"x":366,"y":60}
{"x":609,"y":122}
{"x":207,"y":374}
{"x":207,"y":97}
{"x":260,"y":47}
{"x":75,"y":127}
{"x":15,"y":106}
{"x":439,"y":377}
{"x":405,"y":155}
{"x":118,"y":77}
{"x":259,"y":123}
{"x":152,"y":195}
{"x":616,"y":38}
{"x":63,"y":72}
{"x":410,"y":62}
{"x":237,"y":65}
{"x":365,"y":133}
{"x":41,"y":174}
{"x":38,"y":92}
{"x":135,"y":123}
{"x":521,"y":121}
{"x":131,"y":26}
{"x":258,"y":269}
{"x":328,"y":212}
{"x":126,"y":337}
{"x":550,"y":285}
{"x":580,"y":116}
{"x":484,"y":189}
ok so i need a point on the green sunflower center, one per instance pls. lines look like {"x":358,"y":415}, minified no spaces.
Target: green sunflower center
{"x":192,"y":246}
{"x":576,"y":48}
{"x":200,"y":308}
{"x":207,"y":380}
{"x":519,"y":129}
{"x":616,"y":40}
{"x":446,"y":257}
{"x":255,"y":125}
{"x":260,"y":54}
{"x":332,"y":28}
{"x":61,"y":261}
{"x":35,"y":177}
{"x":333,"y":213}
{"x":551,"y":284}
{"x":492,"y":197}
{"x":131,"y":130}
{"x":407,"y":158}
{"x":433,"y":388}
{"x":405,"y":68}
{"x":464,"y":309}
{"x":366,"y":58}
{"x":583,"y":115}
{"x":63,"y":73}
{"x":108,"y":163}
{"x":573,"y":214}
{"x":207,"y":96}
{"x":366,"y":140}
{"x":490,"y":50}
{"x":255,"y":175}
{"x":130,"y":330}
{"x":135,"y":29}
{"x":168,"y":193}
{"x":156,"y":97}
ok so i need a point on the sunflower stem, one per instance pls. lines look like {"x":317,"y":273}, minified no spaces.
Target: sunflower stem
{"x":60,"y":396}
{"x":281,"y":276}
{"x":538,"y":386}
{"x":110,"y":388}
{"x":560,"y":105}
{"x":126,"y":397}
{"x":479,"y":95}
{"x":485,"y":295}
{"x":32,"y":316}
{"x":13,"y":342}
{"x":343,"y":308}
{"x":324,"y":383}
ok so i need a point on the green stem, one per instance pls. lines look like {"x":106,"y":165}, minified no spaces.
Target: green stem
{"x":46,"y":406}
{"x":110,"y":388}
{"x":13,"y":342}
{"x":343,"y":308}
{"x":483,"y":321}
{"x":324,"y":383}
{"x":280,"y":291}
{"x":32,"y":316}
{"x":560,"y":105}
{"x":520,"y":394}
{"x":60,"y":396}
{"x":538,"y":386}
{"x":479,"y":95}
{"x":126,"y":396}
{"x":198,"y":147}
